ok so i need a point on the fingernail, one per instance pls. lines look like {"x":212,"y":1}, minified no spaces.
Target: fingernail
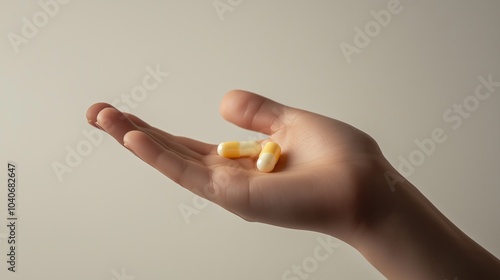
{"x":128,"y":148}
{"x":98,"y":126}
{"x":91,"y":123}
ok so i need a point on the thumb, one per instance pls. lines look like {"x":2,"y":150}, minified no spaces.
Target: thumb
{"x":254,"y":112}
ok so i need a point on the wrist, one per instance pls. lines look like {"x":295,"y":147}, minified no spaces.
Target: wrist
{"x":414,"y":240}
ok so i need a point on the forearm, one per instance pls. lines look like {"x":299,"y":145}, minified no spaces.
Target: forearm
{"x":416,"y":241}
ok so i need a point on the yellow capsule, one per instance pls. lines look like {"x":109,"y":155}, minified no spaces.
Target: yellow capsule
{"x":239,"y":149}
{"x":269,"y":157}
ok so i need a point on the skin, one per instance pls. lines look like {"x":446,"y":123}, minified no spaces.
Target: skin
{"x":331,"y":178}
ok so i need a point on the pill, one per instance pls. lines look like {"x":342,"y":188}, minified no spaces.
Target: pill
{"x":237,"y":149}
{"x":269,"y":157}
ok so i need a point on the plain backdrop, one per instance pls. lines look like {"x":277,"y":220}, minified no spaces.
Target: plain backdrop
{"x":110,"y":216}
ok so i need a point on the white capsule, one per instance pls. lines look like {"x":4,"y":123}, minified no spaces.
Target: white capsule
{"x":269,"y":157}
{"x":239,"y":149}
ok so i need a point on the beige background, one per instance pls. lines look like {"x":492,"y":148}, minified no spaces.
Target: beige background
{"x":113,"y":217}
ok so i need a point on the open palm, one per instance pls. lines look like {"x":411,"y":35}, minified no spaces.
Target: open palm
{"x":324,"y":180}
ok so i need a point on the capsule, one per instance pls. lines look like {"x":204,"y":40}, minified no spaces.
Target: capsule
{"x":239,"y":149}
{"x":269,"y":157}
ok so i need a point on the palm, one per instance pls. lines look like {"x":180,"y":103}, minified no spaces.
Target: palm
{"x":311,"y":185}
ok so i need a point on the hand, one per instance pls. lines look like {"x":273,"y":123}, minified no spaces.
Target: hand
{"x":331,"y":178}
{"x":320,"y":183}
